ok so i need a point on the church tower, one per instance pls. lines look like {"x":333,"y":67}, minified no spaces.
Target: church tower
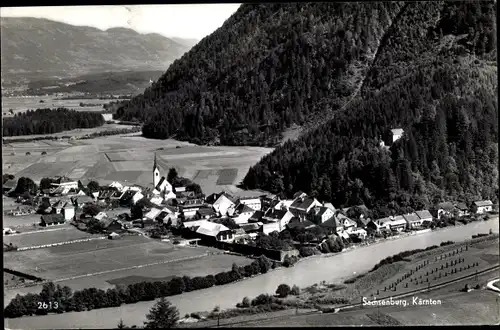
{"x":156,"y":173}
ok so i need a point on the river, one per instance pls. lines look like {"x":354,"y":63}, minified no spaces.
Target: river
{"x":307,"y":272}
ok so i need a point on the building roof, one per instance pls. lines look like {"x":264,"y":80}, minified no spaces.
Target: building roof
{"x":206,"y":212}
{"x":193,"y":203}
{"x":322,"y":210}
{"x":330,"y":223}
{"x":194,"y":223}
{"x":180,"y":189}
{"x":424,"y":214}
{"x":302,"y":204}
{"x":298,"y":194}
{"x":483,"y":203}
{"x":341,"y":218}
{"x":256,"y":216}
{"x":383,"y":221}
{"x":101,"y":215}
{"x":275,"y":214}
{"x":461,"y":206}
{"x":242,"y":208}
{"x":412,"y":217}
{"x":211,"y":229}
{"x":253,"y":226}
{"x":330,"y":206}
{"x":153,"y":213}
{"x":297,"y":223}
{"x":397,"y":131}
{"x":398,"y":220}
{"x":52,"y":218}
{"x":447,"y":206}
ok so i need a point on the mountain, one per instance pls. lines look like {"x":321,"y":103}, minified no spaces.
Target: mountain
{"x":40,"y":48}
{"x":435,"y":76}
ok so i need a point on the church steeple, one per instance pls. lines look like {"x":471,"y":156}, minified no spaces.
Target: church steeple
{"x":156,"y":173}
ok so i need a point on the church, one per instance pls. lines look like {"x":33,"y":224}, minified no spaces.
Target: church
{"x":160,"y":183}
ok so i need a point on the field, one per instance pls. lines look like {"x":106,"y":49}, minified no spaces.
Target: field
{"x":21,"y":104}
{"x":129,"y":159}
{"x":68,"y":233}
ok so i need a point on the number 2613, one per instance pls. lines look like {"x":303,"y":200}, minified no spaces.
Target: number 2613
{"x":49,"y":305}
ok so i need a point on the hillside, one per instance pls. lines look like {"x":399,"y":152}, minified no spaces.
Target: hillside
{"x":434,"y":75}
{"x":269,"y":66}
{"x":40,"y":48}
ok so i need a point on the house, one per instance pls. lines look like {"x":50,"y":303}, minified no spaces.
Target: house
{"x":152,"y":214}
{"x":117,"y":185}
{"x":270,"y":226}
{"x":242,"y":213}
{"x":321,"y":214}
{"x":223,"y":203}
{"x":137,"y":197}
{"x":357,"y":232}
{"x":110,"y":224}
{"x":184,"y":193}
{"x":52,"y":220}
{"x":302,"y":205}
{"x":216,"y":231}
{"x":194,"y":224}
{"x":413,"y":221}
{"x":343,"y":222}
{"x":80,"y":201}
{"x":126,"y":198}
{"x":330,"y":206}
{"x":462,"y":208}
{"x":482,"y":207}
{"x":252,"y":202}
{"x":205,"y":213}
{"x":56,"y":207}
{"x":68,"y":211}
{"x":398,"y":223}
{"x":252,"y":229}
{"x":447,"y":209}
{"x":299,"y":194}
{"x":256,"y":216}
{"x":425,"y":216}
{"x":297,"y":223}
{"x":169,"y":219}
{"x":190,"y":207}
{"x":380,"y":225}
{"x":330,"y":225}
{"x":156,"y":200}
{"x":281,"y":217}
{"x":396,"y":134}
{"x":268,"y":201}
{"x":283,"y":205}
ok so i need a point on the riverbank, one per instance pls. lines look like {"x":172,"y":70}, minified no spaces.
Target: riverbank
{"x":309,"y":271}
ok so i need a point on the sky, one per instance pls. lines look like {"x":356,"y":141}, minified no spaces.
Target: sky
{"x":183,"y":21}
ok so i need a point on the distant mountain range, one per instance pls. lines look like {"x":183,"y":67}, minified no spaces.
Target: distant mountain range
{"x":36,"y":48}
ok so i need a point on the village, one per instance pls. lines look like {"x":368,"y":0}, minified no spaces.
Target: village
{"x":186,"y":217}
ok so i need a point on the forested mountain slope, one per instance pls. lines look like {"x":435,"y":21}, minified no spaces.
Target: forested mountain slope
{"x":435,"y":75}
{"x":267,"y":67}
{"x":41,"y":48}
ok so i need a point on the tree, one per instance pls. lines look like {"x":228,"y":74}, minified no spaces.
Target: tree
{"x":283,"y":290}
{"x":121,"y":325}
{"x":91,"y":209}
{"x":162,"y":315}
{"x":246,"y":302}
{"x":172,"y":175}
{"x":93,"y":186}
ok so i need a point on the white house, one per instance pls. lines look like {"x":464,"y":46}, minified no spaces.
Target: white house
{"x":425,"y":216}
{"x":413,"y":221}
{"x":215,"y":230}
{"x":301,"y":206}
{"x":281,"y":217}
{"x":283,"y":205}
{"x":269,"y":227}
{"x":116,"y":185}
{"x":243,"y":213}
{"x":380,"y":224}
{"x":152,"y":214}
{"x":321,"y":214}
{"x":252,"y":202}
{"x":223,"y":203}
{"x":359,"y":232}
{"x":157,"y":200}
{"x":463,"y":210}
{"x":137,"y":197}
{"x":398,"y":223}
{"x":446,"y":209}
{"x":344,"y":223}
{"x":68,"y":211}
{"x":482,"y":207}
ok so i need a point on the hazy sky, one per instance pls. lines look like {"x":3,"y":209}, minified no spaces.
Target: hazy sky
{"x":185,"y":21}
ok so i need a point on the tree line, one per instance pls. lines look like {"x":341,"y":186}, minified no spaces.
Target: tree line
{"x":92,"y":298}
{"x":49,"y":121}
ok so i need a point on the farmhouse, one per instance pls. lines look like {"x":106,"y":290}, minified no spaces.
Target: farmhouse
{"x":223,"y":203}
{"x":190,"y":207}
{"x":256,"y":216}
{"x":205,"y":213}
{"x":462,"y":208}
{"x":380,"y":225}
{"x":413,"y":221}
{"x":110,"y":224}
{"x":51,"y":220}
{"x":302,"y":205}
{"x":243,"y":213}
{"x":253,"y":228}
{"x":398,"y":223}
{"x":152,"y":214}
{"x":283,"y":205}
{"x":280,"y":217}
{"x":357,"y":232}
{"x":252,"y":202}
{"x":343,"y":222}
{"x":425,"y":216}
{"x":297,"y":223}
{"x":447,"y":209}
{"x":216,"y":231}
{"x":321,"y":214}
{"x":481,"y":207}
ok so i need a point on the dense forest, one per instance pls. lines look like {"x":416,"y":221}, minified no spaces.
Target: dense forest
{"x":269,"y":66}
{"x":48,"y":121}
{"x":435,"y":77}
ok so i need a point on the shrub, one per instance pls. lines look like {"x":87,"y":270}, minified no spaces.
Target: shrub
{"x":246,"y":302}
{"x":283,"y":290}
{"x":295,"y":291}
{"x":262,"y":299}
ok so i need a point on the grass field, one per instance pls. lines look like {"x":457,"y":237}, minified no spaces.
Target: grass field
{"x":69,"y":233}
{"x":21,"y":104}
{"x":129,"y":159}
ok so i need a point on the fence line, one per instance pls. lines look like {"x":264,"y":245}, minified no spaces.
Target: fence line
{"x":60,"y":243}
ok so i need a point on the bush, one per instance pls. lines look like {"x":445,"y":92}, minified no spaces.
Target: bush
{"x":246,"y":302}
{"x":307,"y":251}
{"x":262,"y":299}
{"x":295,"y":291}
{"x":283,"y":290}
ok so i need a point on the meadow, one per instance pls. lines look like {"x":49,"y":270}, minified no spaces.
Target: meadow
{"x":68,"y":233}
{"x":21,"y":104}
{"x":129,"y":159}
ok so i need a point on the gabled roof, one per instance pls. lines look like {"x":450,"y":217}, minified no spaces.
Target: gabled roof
{"x":231,"y":198}
{"x":275,"y":214}
{"x":169,"y":209}
{"x":447,"y":206}
{"x":205,"y":211}
{"x":248,"y":227}
{"x":342,"y":219}
{"x":194,"y":223}
{"x":364,"y":220}
{"x":242,"y":208}
{"x":398,"y":220}
{"x":211,"y":229}
{"x":323,"y":210}
{"x":56,"y":204}
{"x":330,"y":223}
{"x":153,"y":213}
{"x":424,"y":214}
{"x":412,"y":217}
{"x":461,"y":206}
{"x":256,"y":216}
{"x":297,"y":223}
{"x":302,"y":204}
{"x":330,"y":206}
{"x":298,"y":194}
{"x":483,"y":203}
{"x":383,"y":221}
